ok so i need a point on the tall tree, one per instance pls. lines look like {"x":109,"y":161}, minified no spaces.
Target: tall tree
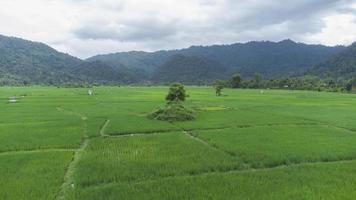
{"x":236,"y":81}
{"x":218,"y":86}
{"x":176,"y":93}
{"x":257,"y":80}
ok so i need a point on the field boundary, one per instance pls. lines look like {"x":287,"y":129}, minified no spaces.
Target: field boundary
{"x":307,"y":119}
{"x":117,"y":134}
{"x":234,"y":171}
{"x":36,"y":151}
{"x":81,"y":116}
{"x":102,"y":129}
{"x":68,"y":181}
{"x":189,"y":134}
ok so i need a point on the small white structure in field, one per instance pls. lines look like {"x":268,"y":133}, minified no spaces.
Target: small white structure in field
{"x":90,"y":92}
{"x":12,"y":100}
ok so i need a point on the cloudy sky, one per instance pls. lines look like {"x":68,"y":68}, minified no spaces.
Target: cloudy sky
{"x":87,"y":27}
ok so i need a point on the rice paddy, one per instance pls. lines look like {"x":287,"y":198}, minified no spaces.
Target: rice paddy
{"x":58,"y":143}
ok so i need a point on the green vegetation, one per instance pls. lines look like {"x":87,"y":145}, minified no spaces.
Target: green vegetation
{"x":286,"y":144}
{"x":199,"y":65}
{"x":176,"y":93}
{"x":307,"y":82}
{"x":339,"y":65}
{"x":218,"y":86}
{"x":236,"y":81}
{"x":36,"y":175}
{"x":58,"y":143}
{"x":316,"y":181}
{"x":148,"y":157}
{"x":24,"y":62}
{"x":174,"y":110}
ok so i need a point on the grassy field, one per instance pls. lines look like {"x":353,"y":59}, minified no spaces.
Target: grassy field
{"x":58,"y":143}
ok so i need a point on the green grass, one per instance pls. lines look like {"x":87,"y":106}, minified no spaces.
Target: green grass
{"x":237,"y":118}
{"x":268,"y":146}
{"x":32,"y":175}
{"x":137,"y":158}
{"x":277,"y":131}
{"x":318,"y":181}
{"x":41,"y":135}
{"x":136,"y":123}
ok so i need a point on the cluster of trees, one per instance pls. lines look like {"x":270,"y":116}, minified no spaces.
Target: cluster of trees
{"x":174,"y":110}
{"x":293,"y":83}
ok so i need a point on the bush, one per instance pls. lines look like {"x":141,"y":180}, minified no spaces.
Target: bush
{"x":172,"y":111}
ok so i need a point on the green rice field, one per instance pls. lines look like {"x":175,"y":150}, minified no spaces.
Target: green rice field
{"x":60,"y":143}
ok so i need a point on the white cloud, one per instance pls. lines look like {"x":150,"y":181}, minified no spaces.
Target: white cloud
{"x":88,"y":27}
{"x":339,"y":29}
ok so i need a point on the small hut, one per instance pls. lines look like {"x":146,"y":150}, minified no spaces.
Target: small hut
{"x":90,"y":92}
{"x":12,"y":100}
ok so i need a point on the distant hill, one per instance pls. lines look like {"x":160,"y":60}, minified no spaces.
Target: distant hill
{"x":189,"y":70}
{"x":27,"y":62}
{"x":270,"y":59}
{"x":342,"y":64}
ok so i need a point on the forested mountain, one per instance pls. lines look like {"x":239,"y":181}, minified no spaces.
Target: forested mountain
{"x":32,"y":62}
{"x":27,"y":62}
{"x":340,"y":65}
{"x":190,"y":70}
{"x":102,"y":73}
{"x":270,"y":59}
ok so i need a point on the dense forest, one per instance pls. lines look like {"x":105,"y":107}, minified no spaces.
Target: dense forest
{"x":339,"y":65}
{"x":24,"y":62}
{"x":261,"y":64}
{"x":271,"y":59}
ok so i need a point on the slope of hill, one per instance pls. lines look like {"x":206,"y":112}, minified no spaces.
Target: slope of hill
{"x":271,"y":59}
{"x":134,"y":59}
{"x":189,"y":70}
{"x":339,"y":65}
{"x":27,"y":62}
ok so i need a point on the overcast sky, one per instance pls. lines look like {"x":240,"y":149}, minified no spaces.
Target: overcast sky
{"x":87,"y":27}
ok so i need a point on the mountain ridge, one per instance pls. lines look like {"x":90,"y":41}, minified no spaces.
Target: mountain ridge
{"x":28,"y":62}
{"x":267,"y":58}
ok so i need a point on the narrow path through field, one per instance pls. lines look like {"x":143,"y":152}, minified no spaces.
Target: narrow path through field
{"x":72,"y":113}
{"x":68,"y":181}
{"x":189,"y":134}
{"x":35,"y":151}
{"x":311,"y":121}
{"x":239,"y":171}
{"x":233,"y":171}
{"x":102,"y":129}
{"x":210,"y":128}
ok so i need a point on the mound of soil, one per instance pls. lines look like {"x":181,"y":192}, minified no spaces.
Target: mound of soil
{"x":173,"y":111}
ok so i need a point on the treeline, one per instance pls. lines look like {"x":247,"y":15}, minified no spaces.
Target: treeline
{"x":293,"y":83}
